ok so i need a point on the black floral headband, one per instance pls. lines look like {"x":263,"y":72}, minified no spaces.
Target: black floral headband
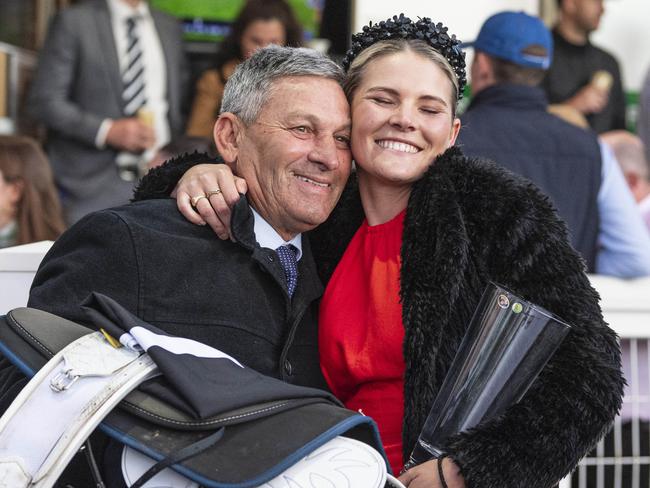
{"x":404,"y":28}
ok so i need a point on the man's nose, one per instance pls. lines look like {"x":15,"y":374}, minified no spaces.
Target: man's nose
{"x":325,"y":152}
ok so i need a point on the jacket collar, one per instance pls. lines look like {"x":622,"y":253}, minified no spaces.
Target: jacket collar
{"x":243,"y":224}
{"x":435,"y":247}
{"x":507,"y":95}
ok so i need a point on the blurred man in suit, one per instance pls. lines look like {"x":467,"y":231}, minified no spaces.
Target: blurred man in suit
{"x":108,"y":88}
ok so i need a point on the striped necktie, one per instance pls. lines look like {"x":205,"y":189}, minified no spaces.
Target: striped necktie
{"x":133,"y":93}
{"x":287,"y":255}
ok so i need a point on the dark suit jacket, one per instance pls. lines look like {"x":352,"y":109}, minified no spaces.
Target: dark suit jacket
{"x":181,"y":278}
{"x":77,"y":85}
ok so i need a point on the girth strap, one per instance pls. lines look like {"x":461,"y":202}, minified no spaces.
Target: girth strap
{"x":180,"y":456}
{"x":58,"y":409}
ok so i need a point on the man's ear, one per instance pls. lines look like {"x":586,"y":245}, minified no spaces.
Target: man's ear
{"x":484,"y":65}
{"x":227,"y":136}
{"x":482,"y":72}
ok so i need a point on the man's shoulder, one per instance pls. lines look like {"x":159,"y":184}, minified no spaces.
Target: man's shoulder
{"x":481,"y":181}
{"x":166,"y":21}
{"x":81,"y":9}
{"x":154,"y":213}
{"x":157,"y":217}
{"x":495,"y":201}
{"x":604,"y":55}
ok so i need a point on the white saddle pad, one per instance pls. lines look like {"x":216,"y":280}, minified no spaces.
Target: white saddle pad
{"x":340,"y":463}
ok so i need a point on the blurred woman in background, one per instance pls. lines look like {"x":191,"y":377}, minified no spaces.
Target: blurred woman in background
{"x":30,"y":210}
{"x":260,"y":23}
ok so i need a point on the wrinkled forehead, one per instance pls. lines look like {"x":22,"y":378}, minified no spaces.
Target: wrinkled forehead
{"x":315,"y":96}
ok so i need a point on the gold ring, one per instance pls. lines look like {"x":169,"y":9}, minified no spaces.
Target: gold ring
{"x":195,"y":200}
{"x":213,"y":192}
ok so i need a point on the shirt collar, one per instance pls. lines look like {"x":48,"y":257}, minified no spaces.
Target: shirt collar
{"x":268,"y":237}
{"x":121,"y":11}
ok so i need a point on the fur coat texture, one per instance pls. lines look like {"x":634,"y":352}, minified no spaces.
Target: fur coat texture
{"x":469,"y":222}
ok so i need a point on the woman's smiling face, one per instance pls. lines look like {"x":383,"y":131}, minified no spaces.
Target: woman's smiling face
{"x":402,"y":117}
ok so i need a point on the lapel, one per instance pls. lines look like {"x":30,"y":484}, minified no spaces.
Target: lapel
{"x":437,"y":277}
{"x":170,"y":51}
{"x":104,"y":31}
{"x":309,"y":287}
{"x":435,"y":253}
{"x":435,"y":260}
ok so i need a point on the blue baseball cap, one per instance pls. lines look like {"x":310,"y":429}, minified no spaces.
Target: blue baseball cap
{"x":505,"y":35}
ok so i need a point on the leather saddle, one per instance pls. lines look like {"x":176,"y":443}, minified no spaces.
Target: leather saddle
{"x":259,"y":441}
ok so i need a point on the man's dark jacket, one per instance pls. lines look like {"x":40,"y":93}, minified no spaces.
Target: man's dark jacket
{"x":509,"y":124}
{"x":184,"y":280}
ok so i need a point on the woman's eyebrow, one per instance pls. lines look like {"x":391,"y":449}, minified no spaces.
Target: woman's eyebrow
{"x":392,"y":91}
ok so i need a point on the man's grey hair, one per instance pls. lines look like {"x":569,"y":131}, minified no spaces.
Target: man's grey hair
{"x":252,"y":82}
{"x":629,"y":151}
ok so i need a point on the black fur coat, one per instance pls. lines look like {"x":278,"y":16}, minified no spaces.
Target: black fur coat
{"x":469,"y":222}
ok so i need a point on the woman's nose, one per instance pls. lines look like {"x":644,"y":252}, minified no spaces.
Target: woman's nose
{"x":402,"y":118}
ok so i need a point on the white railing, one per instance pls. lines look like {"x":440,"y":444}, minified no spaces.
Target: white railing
{"x":18,"y":266}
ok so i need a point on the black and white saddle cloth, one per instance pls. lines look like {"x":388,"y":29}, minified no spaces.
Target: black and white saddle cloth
{"x":199,"y":411}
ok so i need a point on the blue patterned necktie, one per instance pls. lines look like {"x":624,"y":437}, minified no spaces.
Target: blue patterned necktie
{"x":287,"y":255}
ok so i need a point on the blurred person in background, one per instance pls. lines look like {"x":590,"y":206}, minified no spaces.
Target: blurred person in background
{"x":643,"y":122}
{"x":259,"y":23}
{"x":631,"y":156}
{"x":507,"y":121}
{"x":183,"y":145}
{"x":109,"y":86}
{"x":583,"y":76}
{"x":29,"y":205}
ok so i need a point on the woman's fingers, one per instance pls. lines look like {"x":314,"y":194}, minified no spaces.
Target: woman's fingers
{"x":226,"y":183}
{"x":183,"y":202}
{"x":407,"y":477}
{"x":205,"y":208}
{"x":221,"y":190}
{"x":242,"y":187}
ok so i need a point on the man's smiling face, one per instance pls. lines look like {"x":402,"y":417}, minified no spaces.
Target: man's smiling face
{"x":296,"y":157}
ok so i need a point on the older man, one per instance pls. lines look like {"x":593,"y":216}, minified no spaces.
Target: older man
{"x":285,"y":128}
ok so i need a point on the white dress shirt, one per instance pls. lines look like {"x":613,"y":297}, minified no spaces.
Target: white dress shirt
{"x":624,"y":241}
{"x":267,"y":236}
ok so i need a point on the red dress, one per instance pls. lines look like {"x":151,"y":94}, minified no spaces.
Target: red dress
{"x":361,"y":331}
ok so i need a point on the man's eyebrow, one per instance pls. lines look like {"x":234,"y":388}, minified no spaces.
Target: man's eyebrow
{"x":395,"y":93}
{"x":292,"y":117}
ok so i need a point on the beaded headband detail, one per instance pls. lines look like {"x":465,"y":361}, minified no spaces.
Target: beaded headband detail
{"x":424,"y":29}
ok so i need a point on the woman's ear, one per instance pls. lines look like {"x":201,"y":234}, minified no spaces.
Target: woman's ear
{"x":455,"y":129}
{"x":227,"y":136}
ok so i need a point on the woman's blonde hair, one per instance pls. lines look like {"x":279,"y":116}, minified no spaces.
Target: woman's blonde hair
{"x":393,"y":46}
{"x":38,"y":216}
